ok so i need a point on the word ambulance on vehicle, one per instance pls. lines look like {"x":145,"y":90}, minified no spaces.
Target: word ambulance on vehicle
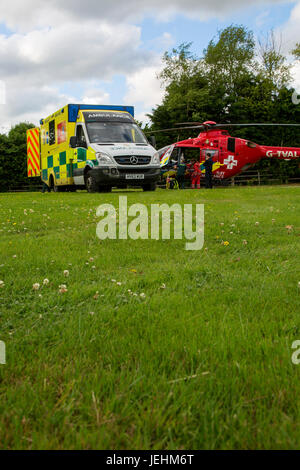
{"x":94,"y":147}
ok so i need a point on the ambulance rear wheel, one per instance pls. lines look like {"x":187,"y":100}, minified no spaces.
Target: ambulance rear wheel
{"x":51,"y":183}
{"x":149,"y":187}
{"x":90,"y":183}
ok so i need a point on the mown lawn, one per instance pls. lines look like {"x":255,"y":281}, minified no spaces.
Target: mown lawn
{"x":204,"y":363}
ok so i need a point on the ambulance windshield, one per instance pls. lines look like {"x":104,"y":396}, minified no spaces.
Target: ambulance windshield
{"x":115,"y":132}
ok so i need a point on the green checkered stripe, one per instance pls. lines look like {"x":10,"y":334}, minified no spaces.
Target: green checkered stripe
{"x":82,"y":159}
{"x":67,"y":168}
{"x":61,"y":168}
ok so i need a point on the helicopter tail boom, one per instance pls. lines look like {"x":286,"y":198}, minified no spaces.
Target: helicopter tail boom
{"x":281,"y":153}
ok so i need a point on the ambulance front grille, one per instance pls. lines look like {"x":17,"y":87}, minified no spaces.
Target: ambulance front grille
{"x":132,"y":160}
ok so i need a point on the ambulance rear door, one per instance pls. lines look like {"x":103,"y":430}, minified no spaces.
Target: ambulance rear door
{"x":33,"y":152}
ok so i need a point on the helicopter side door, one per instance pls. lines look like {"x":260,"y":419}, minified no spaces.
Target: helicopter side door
{"x":208,"y":151}
{"x":231,"y":161}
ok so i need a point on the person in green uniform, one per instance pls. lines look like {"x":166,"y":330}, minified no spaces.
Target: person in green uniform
{"x":180,"y":173}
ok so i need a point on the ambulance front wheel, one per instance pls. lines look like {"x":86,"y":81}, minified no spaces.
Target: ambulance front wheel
{"x":90,"y":183}
{"x":149,"y":187}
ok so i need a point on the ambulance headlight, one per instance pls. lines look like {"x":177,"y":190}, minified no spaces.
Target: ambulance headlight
{"x":156,"y":159}
{"x":103,"y":158}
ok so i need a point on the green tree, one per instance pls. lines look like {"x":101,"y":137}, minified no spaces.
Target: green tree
{"x":13,"y":158}
{"x":4,"y":177}
{"x":296,"y":51}
{"x":233,"y":82}
{"x":230,"y":59}
{"x":272,"y":64}
{"x":185,"y":82}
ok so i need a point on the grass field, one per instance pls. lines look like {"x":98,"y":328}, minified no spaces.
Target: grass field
{"x":204,"y":363}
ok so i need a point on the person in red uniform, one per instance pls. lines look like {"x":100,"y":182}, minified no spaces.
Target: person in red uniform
{"x":196,"y":175}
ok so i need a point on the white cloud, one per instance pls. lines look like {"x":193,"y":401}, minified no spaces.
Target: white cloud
{"x":287,"y":37}
{"x":74,"y":51}
{"x":55,"y":43}
{"x":36,"y":64}
{"x":31,"y":104}
{"x":144,"y":89}
{"x":289,"y":33}
{"x":2,"y":92}
{"x":95,"y":96}
{"x":161,"y":43}
{"x":262,"y":18}
{"x":30,"y":14}
{"x":296,"y":76}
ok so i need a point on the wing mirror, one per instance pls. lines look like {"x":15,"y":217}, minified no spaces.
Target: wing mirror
{"x":73,"y":142}
{"x":152,"y":140}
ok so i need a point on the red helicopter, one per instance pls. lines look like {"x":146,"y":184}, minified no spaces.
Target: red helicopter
{"x":231,"y":155}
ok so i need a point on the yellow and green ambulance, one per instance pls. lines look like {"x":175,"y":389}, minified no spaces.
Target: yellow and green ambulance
{"x":94,"y":147}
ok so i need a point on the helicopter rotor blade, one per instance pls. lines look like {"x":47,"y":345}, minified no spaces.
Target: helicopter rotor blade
{"x":211,"y":127}
{"x":255,"y":124}
{"x":189,"y":124}
{"x":174,"y":129}
{"x":227,"y":124}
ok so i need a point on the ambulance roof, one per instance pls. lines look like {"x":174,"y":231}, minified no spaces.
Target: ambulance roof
{"x":74,"y":108}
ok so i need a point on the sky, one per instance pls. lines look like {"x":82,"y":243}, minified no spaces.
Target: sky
{"x":110,"y":52}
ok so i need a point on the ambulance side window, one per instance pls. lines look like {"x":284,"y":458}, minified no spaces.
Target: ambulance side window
{"x":80,"y":137}
{"x":52,"y":132}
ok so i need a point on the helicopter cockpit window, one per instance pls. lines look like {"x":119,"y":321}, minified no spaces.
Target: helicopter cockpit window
{"x":189,"y":154}
{"x":252,"y":145}
{"x":174,"y":156}
{"x":166,"y":155}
